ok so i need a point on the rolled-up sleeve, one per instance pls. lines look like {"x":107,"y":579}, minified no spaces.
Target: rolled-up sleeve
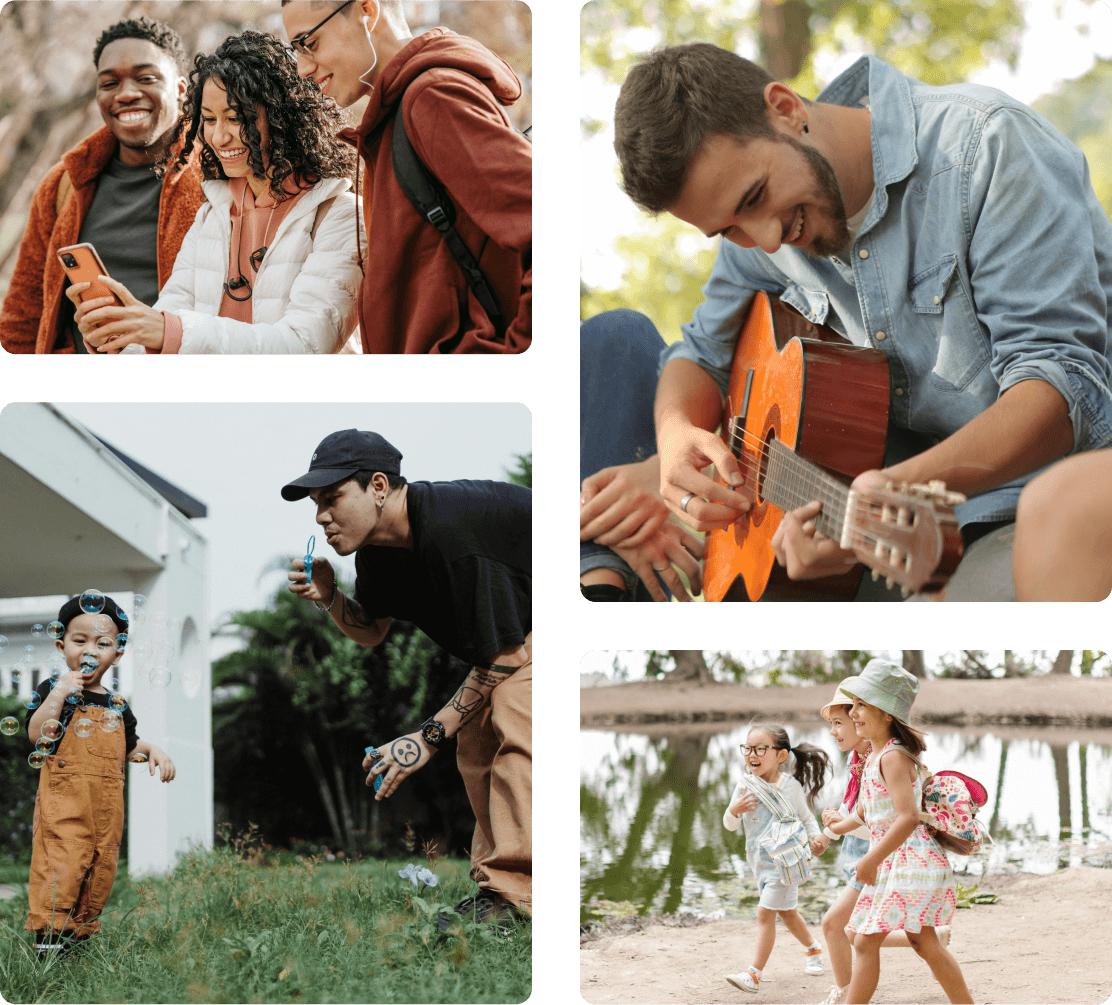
{"x":1039,"y":263}
{"x":710,"y":337}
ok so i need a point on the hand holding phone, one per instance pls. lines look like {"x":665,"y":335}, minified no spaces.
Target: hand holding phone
{"x":83,"y":265}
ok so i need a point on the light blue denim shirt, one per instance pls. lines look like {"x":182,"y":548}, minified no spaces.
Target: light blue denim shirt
{"x":985,"y":260}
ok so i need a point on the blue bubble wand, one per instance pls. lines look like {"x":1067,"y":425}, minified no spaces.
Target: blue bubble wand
{"x":378,"y":778}
{"x":309,"y":557}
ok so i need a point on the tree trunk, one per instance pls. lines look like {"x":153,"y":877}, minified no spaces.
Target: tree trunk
{"x":691,"y":667}
{"x":1063,"y":662}
{"x":309,"y":752}
{"x":845,"y":661}
{"x":785,"y":36}
{"x":914,"y":664}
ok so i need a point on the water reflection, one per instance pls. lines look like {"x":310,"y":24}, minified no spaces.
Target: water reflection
{"x":651,"y":810}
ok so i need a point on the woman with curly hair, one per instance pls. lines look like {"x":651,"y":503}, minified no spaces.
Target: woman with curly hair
{"x":267,"y":265}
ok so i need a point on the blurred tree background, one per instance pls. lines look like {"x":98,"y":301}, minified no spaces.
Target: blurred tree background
{"x":293,"y":711}
{"x":664,"y":263}
{"x":47,"y":75}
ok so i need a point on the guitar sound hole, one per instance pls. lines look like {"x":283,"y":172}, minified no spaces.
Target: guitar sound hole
{"x":762,"y":472}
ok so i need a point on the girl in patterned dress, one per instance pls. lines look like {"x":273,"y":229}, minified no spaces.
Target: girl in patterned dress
{"x":909,"y":884}
{"x":766,"y":750}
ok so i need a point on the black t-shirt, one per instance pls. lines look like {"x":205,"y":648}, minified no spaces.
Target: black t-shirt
{"x":87,"y":698}
{"x":467,"y":583}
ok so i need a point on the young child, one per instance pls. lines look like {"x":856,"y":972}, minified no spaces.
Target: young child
{"x":79,"y":813}
{"x":854,"y":845}
{"x":766,"y":749}
{"x":909,"y":884}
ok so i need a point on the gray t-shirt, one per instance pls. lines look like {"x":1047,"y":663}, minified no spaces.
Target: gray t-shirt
{"x":122,"y":224}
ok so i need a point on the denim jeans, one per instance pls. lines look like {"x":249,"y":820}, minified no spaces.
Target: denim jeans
{"x":618,"y":357}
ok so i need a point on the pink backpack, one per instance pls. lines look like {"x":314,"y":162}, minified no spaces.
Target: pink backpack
{"x":950,"y":804}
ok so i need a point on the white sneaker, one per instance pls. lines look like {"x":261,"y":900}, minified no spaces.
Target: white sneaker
{"x":747,"y":981}
{"x":836,"y":997}
{"x":814,"y":962}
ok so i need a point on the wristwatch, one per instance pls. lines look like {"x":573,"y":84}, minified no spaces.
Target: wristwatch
{"x":433,"y":732}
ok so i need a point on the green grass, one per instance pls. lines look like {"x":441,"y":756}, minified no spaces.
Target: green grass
{"x":232,"y":925}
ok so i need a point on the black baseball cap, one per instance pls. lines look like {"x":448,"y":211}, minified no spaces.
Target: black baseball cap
{"x":339,"y":456}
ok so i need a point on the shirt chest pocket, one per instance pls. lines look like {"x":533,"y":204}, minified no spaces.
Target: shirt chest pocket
{"x":944,"y":319}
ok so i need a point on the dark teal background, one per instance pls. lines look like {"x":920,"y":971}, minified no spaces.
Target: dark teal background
{"x":546,"y":379}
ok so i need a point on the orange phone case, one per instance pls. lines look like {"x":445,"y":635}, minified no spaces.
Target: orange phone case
{"x":88,"y":267}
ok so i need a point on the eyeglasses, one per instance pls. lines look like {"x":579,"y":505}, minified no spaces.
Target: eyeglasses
{"x":760,"y":751}
{"x":299,"y":42}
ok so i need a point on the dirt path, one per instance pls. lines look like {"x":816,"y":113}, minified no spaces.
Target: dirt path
{"x":1041,"y":701}
{"x":1046,"y":940}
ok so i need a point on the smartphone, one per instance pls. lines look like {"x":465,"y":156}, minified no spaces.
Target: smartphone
{"x":83,"y":265}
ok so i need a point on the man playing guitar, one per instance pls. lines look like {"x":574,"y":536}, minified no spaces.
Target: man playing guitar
{"x":950,"y":228}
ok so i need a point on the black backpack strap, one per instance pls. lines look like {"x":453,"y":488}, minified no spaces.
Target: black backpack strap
{"x":432,"y":202}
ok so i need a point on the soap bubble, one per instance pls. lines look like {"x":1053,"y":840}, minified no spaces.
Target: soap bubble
{"x":92,"y":601}
{"x":144,"y":652}
{"x":51,"y":728}
{"x":29,"y":653}
{"x":138,"y":602}
{"x":55,"y":629}
{"x":106,"y":644}
{"x":188,"y":680}
{"x":55,"y":672}
{"x":9,"y":725}
{"x":83,"y":727}
{"x":160,"y":678}
{"x":44,"y":745}
{"x":73,"y":695}
{"x":112,"y":684}
{"x":37,"y":631}
{"x":121,"y":642}
{"x":17,"y":673}
{"x":158,"y":621}
{"x":3,"y":643}
{"x":117,"y":703}
{"x":53,"y":708}
{"x":121,"y":614}
{"x":34,"y":701}
{"x":103,"y":624}
{"x":143,"y":670}
{"x":174,"y":624}
{"x":35,"y":759}
{"x":110,"y":721}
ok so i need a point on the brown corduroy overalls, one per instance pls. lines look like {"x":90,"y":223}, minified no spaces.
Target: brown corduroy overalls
{"x":79,"y":820}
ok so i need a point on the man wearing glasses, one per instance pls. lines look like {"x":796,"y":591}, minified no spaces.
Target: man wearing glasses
{"x":452,"y":89}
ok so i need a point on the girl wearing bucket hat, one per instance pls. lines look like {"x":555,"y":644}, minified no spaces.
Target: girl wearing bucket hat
{"x":854,"y":846}
{"x":909,"y":885}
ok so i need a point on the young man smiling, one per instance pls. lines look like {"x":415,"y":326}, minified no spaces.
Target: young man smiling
{"x":414,"y":297}
{"x":454,"y":558}
{"x":105,"y":192}
{"x":950,"y":228}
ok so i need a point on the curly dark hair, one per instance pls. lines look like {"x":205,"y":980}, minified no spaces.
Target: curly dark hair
{"x":258,"y":70}
{"x":162,"y":35}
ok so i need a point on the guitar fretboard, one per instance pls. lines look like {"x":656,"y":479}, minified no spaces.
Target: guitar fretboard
{"x":789,"y":481}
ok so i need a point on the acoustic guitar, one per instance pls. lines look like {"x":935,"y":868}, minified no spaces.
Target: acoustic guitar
{"x":806,"y":412}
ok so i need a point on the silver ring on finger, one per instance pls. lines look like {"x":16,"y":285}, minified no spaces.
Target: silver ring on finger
{"x":664,"y":568}
{"x":685,"y":500}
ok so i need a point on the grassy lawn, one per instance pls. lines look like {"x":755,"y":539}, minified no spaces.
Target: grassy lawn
{"x":230,"y":925}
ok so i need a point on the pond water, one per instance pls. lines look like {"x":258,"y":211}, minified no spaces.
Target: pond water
{"x":652,"y":840}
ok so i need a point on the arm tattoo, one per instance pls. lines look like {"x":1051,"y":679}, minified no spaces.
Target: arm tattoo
{"x":493,"y":675}
{"x":351,"y":613}
{"x":405,"y":752}
{"x":466,"y":701}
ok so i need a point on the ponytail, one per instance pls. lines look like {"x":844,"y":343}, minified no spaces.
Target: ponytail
{"x":811,"y":765}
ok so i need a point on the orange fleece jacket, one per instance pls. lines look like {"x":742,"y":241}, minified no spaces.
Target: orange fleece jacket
{"x":29,"y":318}
{"x":414,"y":298}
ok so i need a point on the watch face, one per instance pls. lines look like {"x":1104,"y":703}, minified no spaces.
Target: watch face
{"x":433,"y":732}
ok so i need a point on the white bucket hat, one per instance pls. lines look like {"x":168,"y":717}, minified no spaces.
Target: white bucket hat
{"x":839,"y":699}
{"x":886,"y":685}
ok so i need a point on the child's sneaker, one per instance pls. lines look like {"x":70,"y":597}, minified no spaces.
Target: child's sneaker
{"x":747,"y":981}
{"x":814,"y":961}
{"x":836,"y":997}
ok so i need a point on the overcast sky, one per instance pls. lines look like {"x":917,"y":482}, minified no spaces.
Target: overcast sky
{"x":235,"y":458}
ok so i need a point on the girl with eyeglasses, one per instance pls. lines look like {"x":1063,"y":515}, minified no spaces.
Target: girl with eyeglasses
{"x":267,"y":266}
{"x":768,"y":802}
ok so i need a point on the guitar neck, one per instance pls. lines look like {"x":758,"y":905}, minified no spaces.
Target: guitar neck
{"x":789,"y":481}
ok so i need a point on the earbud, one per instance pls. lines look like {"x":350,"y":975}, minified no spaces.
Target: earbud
{"x":236,"y":283}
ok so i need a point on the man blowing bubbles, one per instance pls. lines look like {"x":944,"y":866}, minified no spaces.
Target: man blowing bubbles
{"x":454,"y":558}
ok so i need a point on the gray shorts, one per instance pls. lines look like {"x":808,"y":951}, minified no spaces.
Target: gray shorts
{"x":777,"y":896}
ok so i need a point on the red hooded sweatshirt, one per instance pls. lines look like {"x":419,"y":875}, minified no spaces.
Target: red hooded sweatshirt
{"x":414,"y":297}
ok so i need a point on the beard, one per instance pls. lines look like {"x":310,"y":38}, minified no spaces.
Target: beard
{"x":828,"y":198}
